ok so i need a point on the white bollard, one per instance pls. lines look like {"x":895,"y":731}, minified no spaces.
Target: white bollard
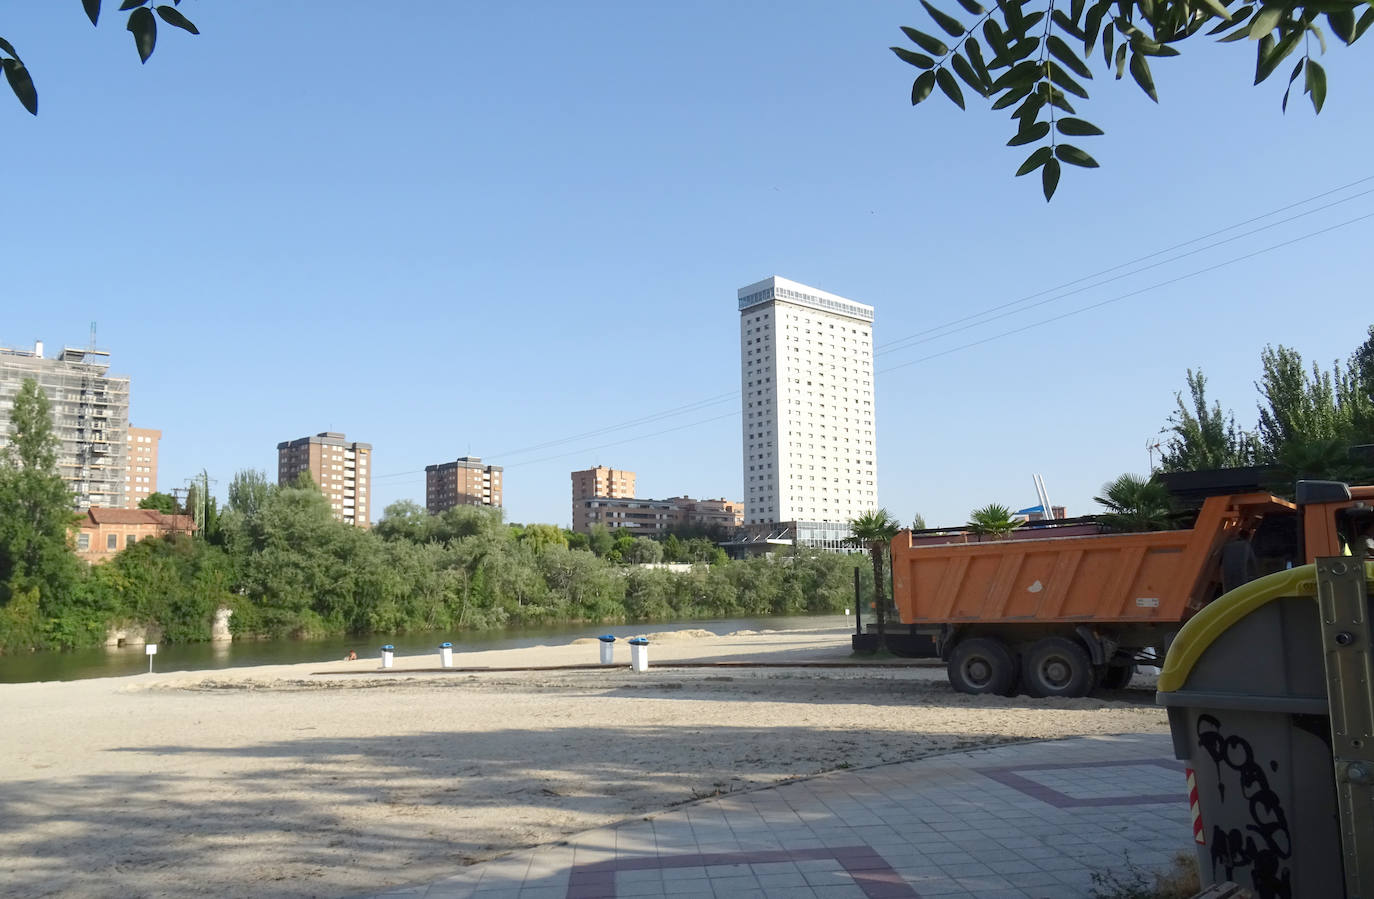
{"x":639,"y":654}
{"x":607,"y":648}
{"x":446,"y":655}
{"x":388,"y":653}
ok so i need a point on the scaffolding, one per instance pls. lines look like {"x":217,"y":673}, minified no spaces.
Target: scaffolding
{"x":90,"y":412}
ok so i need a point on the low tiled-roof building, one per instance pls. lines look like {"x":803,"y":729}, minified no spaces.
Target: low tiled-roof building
{"x":103,"y":532}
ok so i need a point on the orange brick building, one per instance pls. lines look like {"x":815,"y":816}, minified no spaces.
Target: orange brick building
{"x":104,"y":532}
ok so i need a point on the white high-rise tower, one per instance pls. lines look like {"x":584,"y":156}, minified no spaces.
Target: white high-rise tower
{"x":806,"y":376}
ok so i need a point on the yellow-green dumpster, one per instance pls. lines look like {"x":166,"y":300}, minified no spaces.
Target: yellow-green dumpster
{"x":1268,"y":691}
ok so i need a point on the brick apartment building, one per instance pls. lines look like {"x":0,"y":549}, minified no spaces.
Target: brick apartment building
{"x":606,"y":496}
{"x":600,"y":481}
{"x":141,"y":479}
{"x":462,"y":482}
{"x":342,"y":470}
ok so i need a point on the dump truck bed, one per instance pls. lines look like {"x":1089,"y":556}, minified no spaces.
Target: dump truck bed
{"x":1155,"y":577}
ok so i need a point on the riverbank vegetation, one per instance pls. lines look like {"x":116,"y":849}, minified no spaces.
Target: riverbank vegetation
{"x":277,"y":557}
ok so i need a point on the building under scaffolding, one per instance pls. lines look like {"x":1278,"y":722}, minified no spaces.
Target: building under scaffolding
{"x":90,"y":412}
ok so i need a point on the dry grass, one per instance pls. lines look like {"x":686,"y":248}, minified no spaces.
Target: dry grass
{"x":1180,"y":881}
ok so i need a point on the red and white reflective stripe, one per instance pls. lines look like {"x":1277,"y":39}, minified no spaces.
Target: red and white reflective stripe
{"x":1195,"y":807}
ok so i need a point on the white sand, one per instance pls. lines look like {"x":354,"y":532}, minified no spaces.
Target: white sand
{"x":278,"y":781}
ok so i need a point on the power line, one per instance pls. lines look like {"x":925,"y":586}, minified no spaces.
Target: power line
{"x":910,"y":341}
{"x":919,"y":336}
{"x":1133,"y":293}
{"x":648,"y":419}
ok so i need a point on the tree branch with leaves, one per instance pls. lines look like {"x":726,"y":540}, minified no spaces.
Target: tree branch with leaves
{"x":1030,"y":60}
{"x":141,"y":23}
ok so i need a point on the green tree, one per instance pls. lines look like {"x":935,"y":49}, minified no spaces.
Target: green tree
{"x":248,"y":491}
{"x":1134,"y":504}
{"x":1032,"y":58}
{"x":918,"y":522}
{"x":35,"y":507}
{"x":1310,"y":418}
{"x":600,"y":540}
{"x":992,"y":520}
{"x":538,"y":536}
{"x":1202,"y":437}
{"x":643,"y":550}
{"x":160,"y":502}
{"x":405,"y":520}
{"x":875,"y":530}
{"x":141,"y":23}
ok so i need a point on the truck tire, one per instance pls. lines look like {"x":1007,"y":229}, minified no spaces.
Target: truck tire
{"x":1118,"y":676}
{"x":982,"y":665}
{"x":1057,"y":666}
{"x":1238,"y":565}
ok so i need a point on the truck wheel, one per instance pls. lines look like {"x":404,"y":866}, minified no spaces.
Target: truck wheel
{"x":1118,"y":677}
{"x":1057,"y":666}
{"x":982,"y":665}
{"x":1238,"y":565}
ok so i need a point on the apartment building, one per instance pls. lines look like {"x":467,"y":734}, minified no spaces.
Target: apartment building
{"x":709,"y":513}
{"x":656,"y":517}
{"x":141,"y":479}
{"x":806,"y":378}
{"x":90,"y":412}
{"x":463,"y":482}
{"x":342,"y":470}
{"x":605,"y":496}
{"x":598,"y":482}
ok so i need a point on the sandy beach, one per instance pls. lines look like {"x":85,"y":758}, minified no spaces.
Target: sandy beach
{"x":335,"y":778}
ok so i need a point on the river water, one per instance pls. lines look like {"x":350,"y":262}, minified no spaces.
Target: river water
{"x":116,"y":662}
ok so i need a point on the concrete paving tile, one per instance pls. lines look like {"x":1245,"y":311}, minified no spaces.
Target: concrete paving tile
{"x":505,"y":892}
{"x":674,"y":886}
{"x":437,"y":892}
{"x":791,"y":891}
{"x":783,"y":879}
{"x":839,"y":891}
{"x":543,"y":892}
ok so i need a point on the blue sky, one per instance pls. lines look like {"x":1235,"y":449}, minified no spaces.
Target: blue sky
{"x":462,"y":228}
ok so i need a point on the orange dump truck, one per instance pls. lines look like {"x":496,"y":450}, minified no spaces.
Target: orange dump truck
{"x":1060,"y":616}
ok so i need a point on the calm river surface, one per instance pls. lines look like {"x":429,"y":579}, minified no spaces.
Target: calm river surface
{"x":112,"y":662}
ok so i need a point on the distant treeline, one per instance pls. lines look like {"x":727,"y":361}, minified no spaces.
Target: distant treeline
{"x":277,"y":557}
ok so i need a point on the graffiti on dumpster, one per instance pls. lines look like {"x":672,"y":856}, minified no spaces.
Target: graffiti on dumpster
{"x":1263,"y":845}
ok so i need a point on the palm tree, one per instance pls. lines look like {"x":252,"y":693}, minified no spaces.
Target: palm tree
{"x":875,"y":530}
{"x":994,"y":520}
{"x":1135,"y":504}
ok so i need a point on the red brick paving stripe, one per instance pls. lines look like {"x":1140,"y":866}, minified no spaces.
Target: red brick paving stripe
{"x":1012,"y":776}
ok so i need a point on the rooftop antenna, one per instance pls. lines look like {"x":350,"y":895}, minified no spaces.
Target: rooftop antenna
{"x":92,"y":335}
{"x":1150,"y":447}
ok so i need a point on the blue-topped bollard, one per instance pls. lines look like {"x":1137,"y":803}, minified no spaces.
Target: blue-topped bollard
{"x":446,"y":655}
{"x":607,"y":648}
{"x":639,"y":654}
{"x":388,"y":653}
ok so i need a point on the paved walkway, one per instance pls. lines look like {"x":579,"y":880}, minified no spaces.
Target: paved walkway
{"x":1030,"y":820}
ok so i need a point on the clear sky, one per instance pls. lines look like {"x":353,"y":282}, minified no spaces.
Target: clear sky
{"x":488,"y":228}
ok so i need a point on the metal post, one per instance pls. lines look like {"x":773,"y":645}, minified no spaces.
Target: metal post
{"x":1343,"y":600}
{"x":858,"y":616}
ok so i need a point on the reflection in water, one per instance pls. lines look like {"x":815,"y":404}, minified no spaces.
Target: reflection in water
{"x":114,"y":661}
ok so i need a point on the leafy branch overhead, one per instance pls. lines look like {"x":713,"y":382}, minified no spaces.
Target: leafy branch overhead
{"x":1030,"y":61}
{"x":142,"y":24}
